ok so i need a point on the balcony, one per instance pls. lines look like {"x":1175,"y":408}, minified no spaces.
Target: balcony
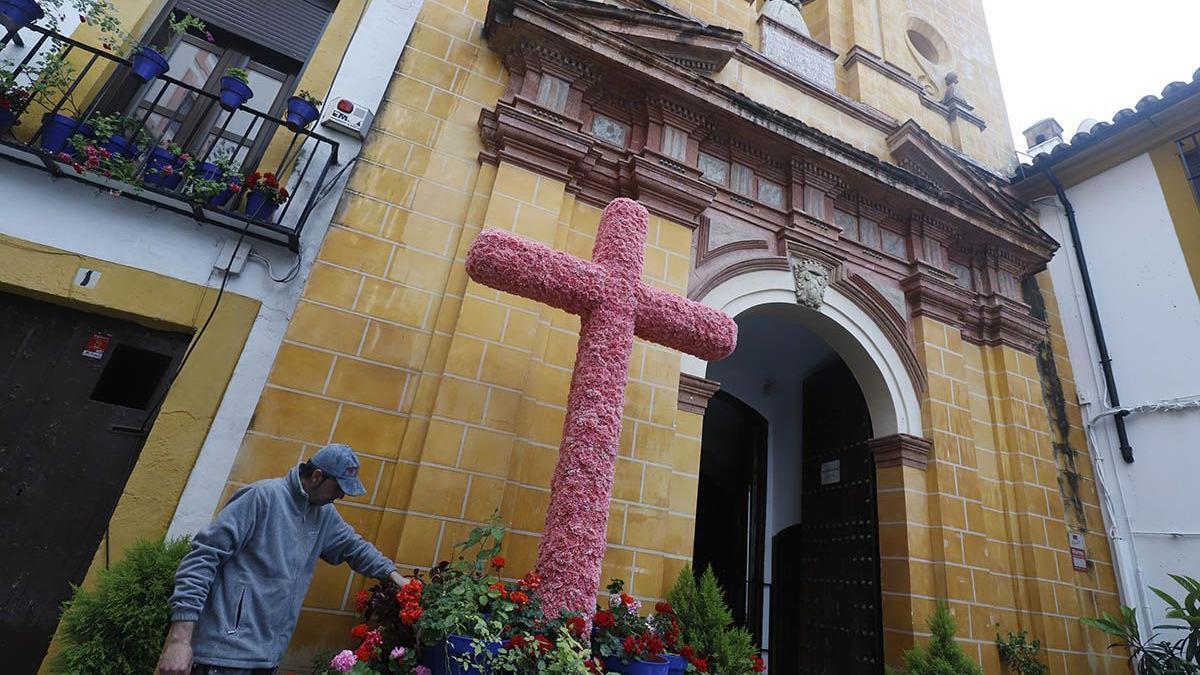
{"x":165,"y":142}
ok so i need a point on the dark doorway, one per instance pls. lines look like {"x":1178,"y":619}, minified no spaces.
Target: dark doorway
{"x":826,"y":615}
{"x":731,"y":505}
{"x":76,"y":390}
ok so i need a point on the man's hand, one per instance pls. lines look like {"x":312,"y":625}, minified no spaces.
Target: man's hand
{"x":398,"y":578}
{"x":176,"y":658}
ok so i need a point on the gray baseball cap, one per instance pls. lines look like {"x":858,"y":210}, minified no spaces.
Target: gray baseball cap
{"x":339,"y":462}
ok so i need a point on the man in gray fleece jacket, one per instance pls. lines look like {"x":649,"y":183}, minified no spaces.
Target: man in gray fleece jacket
{"x":238,"y":591}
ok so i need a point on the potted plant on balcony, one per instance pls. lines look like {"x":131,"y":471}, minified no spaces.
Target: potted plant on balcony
{"x":148,"y":62}
{"x":235,"y":88}
{"x":167,"y":166}
{"x":216,"y":182}
{"x":120,"y":134}
{"x":21,"y":13}
{"x":263,"y":195}
{"x":13,"y":97}
{"x":92,"y":157}
{"x":302,"y":110}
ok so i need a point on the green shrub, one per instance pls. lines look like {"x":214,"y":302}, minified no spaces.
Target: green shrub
{"x":942,"y":656}
{"x":1019,"y":655}
{"x":119,"y":627}
{"x":1151,"y":655}
{"x":707,"y":624}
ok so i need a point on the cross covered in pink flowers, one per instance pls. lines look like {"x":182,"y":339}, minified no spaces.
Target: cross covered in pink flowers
{"x":614,"y":305}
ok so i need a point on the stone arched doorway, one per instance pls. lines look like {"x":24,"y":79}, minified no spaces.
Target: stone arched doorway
{"x":835,"y":398}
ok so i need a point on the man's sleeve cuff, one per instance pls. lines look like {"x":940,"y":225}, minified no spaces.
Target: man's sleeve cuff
{"x":185,"y":615}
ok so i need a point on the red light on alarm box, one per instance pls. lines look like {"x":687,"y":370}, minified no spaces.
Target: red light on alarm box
{"x":345,"y":106}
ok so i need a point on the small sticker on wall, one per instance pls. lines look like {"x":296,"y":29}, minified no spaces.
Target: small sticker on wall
{"x":1078,"y":552}
{"x":86,"y":277}
{"x":97,"y":344}
{"x":831,"y":472}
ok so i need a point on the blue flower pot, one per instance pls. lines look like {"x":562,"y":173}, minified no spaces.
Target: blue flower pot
{"x":300,"y":113}
{"x":56,"y":129}
{"x":443,"y":659}
{"x":148,"y":64}
{"x":21,"y":12}
{"x":259,"y":207}
{"x":208,"y":171}
{"x":676,"y":664}
{"x":234,"y":93}
{"x":222,"y":198}
{"x":119,"y":145}
{"x":638,"y":666}
{"x":156,"y":169}
{"x":7,"y":117}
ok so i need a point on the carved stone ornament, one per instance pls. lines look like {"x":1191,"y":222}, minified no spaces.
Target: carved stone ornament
{"x":812,"y":278}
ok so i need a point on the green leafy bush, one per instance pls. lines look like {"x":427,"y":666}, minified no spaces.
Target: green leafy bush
{"x":942,"y":656}
{"x":119,"y":627}
{"x":1151,"y":655}
{"x":1019,"y":655}
{"x":707,"y":624}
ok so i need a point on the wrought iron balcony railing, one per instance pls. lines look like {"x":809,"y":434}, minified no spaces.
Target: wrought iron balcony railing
{"x":61,"y":91}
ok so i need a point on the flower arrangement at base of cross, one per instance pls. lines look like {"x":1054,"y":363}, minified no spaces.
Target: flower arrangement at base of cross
{"x":462,"y":618}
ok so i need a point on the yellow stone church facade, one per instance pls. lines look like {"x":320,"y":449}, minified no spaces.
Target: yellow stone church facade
{"x":527,"y":116}
{"x":844,"y":161}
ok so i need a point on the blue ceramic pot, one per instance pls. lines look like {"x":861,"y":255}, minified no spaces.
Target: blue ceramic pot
{"x":147,"y":64}
{"x":56,"y":129}
{"x":444,"y":659}
{"x":638,"y":666}
{"x":21,"y":12}
{"x":300,"y":113}
{"x":676,"y":664}
{"x":7,"y":117}
{"x":119,"y":145}
{"x":162,"y":169}
{"x":222,"y":198}
{"x":234,"y":93}
{"x":259,"y":207}
{"x":208,"y":171}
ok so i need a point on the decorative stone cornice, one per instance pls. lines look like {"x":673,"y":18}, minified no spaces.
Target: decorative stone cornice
{"x":666,"y":187}
{"x":695,"y":393}
{"x":1003,"y":321}
{"x":901,"y":450}
{"x":536,"y":142}
{"x":951,"y":111}
{"x":933,"y":293}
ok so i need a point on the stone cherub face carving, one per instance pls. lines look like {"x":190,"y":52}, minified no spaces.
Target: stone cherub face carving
{"x":811,"y":280}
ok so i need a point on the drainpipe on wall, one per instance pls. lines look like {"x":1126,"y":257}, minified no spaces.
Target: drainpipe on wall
{"x":1110,"y":382}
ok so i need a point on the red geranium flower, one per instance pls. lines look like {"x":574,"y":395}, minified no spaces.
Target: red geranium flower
{"x":519,"y":597}
{"x":663,"y":608}
{"x":543,"y":643}
{"x":360,"y":631}
{"x":361,"y":600}
{"x":701,"y":665}
{"x":626,"y":599}
{"x":576,"y":625}
{"x":604,"y":619}
{"x":498,"y":562}
{"x":758,"y":665}
{"x":630,"y":645}
{"x":364,"y":653}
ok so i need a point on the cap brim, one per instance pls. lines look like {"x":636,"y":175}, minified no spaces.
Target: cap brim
{"x":352,"y":486}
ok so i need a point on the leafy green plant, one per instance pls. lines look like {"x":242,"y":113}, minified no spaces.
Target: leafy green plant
{"x":707,"y":625}
{"x":1160,"y":657}
{"x":1019,"y":655}
{"x":203,"y":189}
{"x":238,"y":74}
{"x":942,"y":655}
{"x":560,"y":653}
{"x":119,"y":627}
{"x":100,"y":161}
{"x":305,"y":96}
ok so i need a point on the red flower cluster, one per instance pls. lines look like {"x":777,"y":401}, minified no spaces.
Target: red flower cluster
{"x":371,"y":641}
{"x":530,"y":582}
{"x":13,"y":97}
{"x":360,"y":631}
{"x":267,"y":184}
{"x":758,"y":665}
{"x":409,"y":598}
{"x":604,"y":619}
{"x":627,"y":599}
{"x":646,"y":644}
{"x":595,"y":665}
{"x":361,"y":600}
{"x":693,"y":658}
{"x":577,"y":626}
{"x":519,"y":597}
{"x":663,"y":608}
{"x":498,"y":562}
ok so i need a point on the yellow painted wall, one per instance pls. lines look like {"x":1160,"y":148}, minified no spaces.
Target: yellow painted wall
{"x":152,"y":492}
{"x":1181,"y":201}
